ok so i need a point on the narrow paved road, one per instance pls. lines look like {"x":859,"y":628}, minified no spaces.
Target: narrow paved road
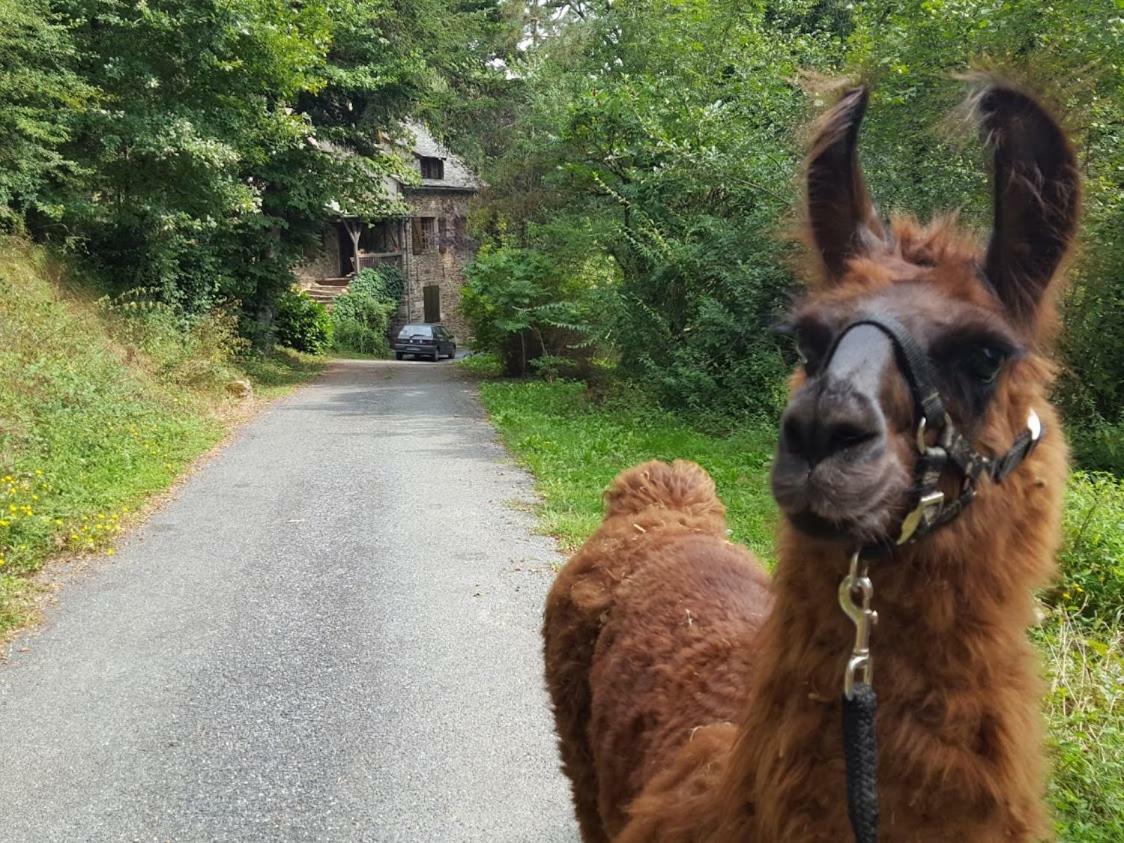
{"x":331,"y":634}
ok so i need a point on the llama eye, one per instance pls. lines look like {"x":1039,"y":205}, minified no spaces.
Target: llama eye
{"x":810,"y":340}
{"x":984,"y":362}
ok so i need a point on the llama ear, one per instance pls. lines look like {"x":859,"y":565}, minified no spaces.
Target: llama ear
{"x":1037,"y":191}
{"x":841,"y":217}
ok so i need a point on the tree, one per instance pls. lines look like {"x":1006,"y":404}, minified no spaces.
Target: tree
{"x":39,"y":91}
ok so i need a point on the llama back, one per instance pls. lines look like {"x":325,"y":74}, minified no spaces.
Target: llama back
{"x":653,"y":612}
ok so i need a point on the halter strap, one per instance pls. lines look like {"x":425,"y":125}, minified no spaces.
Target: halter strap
{"x":914,"y":364}
{"x":930,"y":509}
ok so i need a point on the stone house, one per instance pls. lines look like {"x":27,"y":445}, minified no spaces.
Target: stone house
{"x":430,"y":245}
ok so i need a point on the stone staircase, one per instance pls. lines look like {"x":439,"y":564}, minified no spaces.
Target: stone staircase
{"x":327,"y":290}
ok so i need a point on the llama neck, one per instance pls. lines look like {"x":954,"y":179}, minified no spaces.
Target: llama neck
{"x":957,"y":722}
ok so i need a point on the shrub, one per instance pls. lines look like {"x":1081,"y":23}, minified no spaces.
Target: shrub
{"x":361,"y":316}
{"x":302,"y":323}
{"x":1098,"y":446}
{"x":356,"y":337}
{"x":522,"y":307}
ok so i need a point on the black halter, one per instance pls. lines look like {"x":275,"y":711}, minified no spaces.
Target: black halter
{"x":931,"y":509}
{"x":929,"y":512}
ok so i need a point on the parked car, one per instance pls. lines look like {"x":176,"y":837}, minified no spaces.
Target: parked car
{"x":431,"y":341}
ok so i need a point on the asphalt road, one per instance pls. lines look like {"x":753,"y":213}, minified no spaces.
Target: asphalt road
{"x":330,"y":634}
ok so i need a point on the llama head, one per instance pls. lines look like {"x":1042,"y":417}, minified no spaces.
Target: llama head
{"x":845,"y":464}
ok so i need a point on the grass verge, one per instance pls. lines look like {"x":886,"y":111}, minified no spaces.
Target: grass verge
{"x":104,"y":403}
{"x":574,"y":447}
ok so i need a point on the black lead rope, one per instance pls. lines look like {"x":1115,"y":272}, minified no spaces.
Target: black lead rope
{"x":860,"y":703}
{"x":860,"y":751}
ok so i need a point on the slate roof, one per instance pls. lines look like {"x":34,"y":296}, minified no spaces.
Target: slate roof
{"x":457,"y":174}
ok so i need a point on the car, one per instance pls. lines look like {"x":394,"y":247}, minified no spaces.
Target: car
{"x":432,"y":341}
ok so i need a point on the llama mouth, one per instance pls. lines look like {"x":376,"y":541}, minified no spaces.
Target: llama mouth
{"x":849,"y":530}
{"x":818,"y":527}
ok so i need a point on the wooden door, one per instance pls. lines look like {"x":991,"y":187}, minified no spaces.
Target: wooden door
{"x":431,"y":299}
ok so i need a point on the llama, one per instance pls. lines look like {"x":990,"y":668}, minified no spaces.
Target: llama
{"x":695,"y":698}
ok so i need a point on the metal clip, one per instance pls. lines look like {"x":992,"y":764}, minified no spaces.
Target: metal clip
{"x":863,"y":617}
{"x":916,"y":515}
{"x":943,"y":438}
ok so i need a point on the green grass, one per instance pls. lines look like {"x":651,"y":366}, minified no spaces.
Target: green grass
{"x":103,"y":404}
{"x":575,"y":446}
{"x":574,"y":449}
{"x":279,"y":372}
{"x":481,"y":365}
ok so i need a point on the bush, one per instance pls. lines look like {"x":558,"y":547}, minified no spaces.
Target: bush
{"x":356,"y":337}
{"x":1099,"y":446}
{"x":361,"y":316}
{"x":522,"y":307}
{"x":303,"y":324}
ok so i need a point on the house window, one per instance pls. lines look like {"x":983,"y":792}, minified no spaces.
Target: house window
{"x":428,"y":233}
{"x":431,"y":299}
{"x":379,"y":238}
{"x":432,"y":168}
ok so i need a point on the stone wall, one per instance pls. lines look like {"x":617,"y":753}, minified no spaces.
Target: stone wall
{"x":322,"y":261}
{"x":442,"y":263}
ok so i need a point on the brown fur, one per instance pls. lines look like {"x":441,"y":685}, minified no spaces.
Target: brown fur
{"x":695,"y":700}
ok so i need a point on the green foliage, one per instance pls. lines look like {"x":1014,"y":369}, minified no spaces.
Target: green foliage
{"x":575,"y":446}
{"x":361,"y":316}
{"x":660,"y":136}
{"x":1085,"y":714}
{"x":38,"y":88}
{"x":666,"y":136}
{"x":193,"y":148}
{"x":303,"y":324}
{"x":1097,"y":445}
{"x":524,"y":309}
{"x":481,"y":365}
{"x":384,"y":282}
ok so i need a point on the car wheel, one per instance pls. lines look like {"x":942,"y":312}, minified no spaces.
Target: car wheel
{"x":398,"y":355}
{"x":436,"y":355}
{"x":452,"y":352}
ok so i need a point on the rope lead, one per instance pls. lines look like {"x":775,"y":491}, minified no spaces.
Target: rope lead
{"x":861,"y":755}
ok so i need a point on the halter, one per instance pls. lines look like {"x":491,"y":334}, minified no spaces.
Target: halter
{"x":951,"y":446}
{"x":930,"y":511}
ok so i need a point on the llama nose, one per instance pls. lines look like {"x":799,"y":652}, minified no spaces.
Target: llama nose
{"x":828,"y":423}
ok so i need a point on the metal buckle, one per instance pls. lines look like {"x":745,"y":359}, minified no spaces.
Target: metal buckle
{"x":946,"y":432}
{"x":913,"y":520}
{"x":864,"y":618}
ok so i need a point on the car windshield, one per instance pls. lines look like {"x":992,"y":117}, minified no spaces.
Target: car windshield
{"x":415,"y":331}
